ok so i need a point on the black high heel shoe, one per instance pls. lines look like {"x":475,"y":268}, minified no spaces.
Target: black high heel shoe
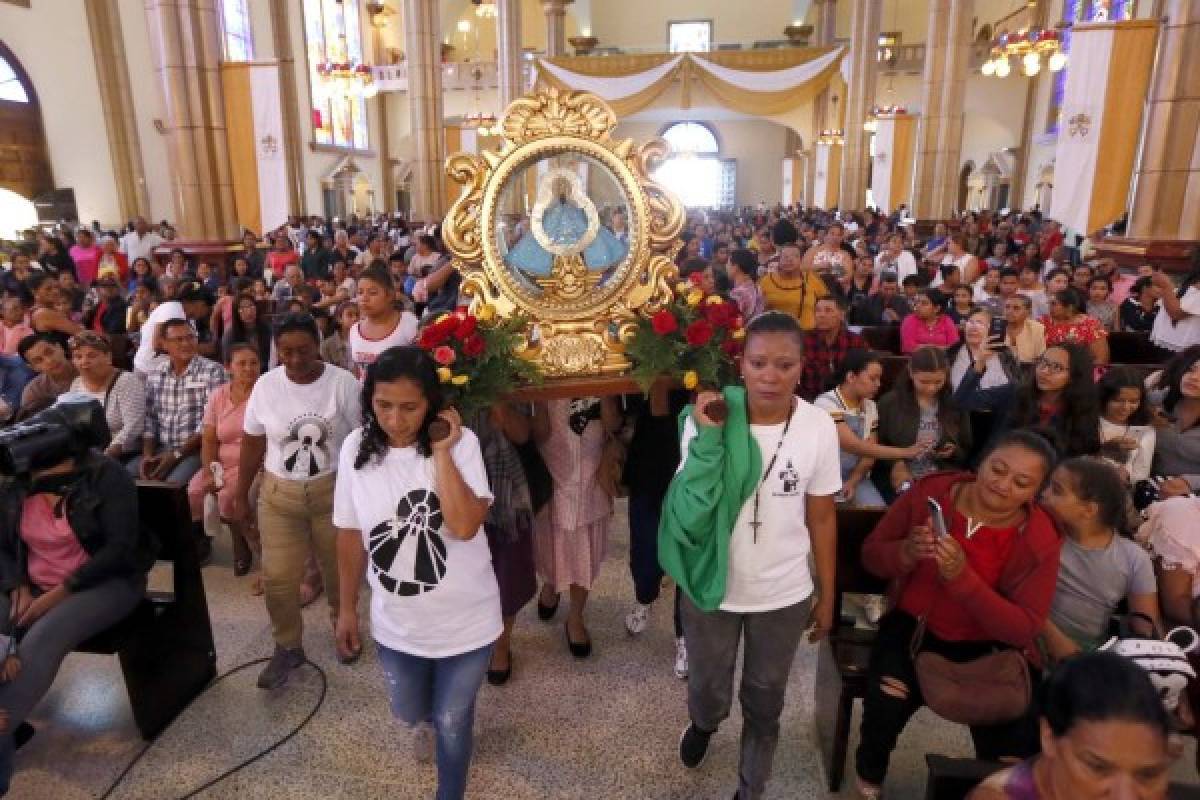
{"x":580,"y":650}
{"x":499,"y":677}
{"x":546,"y":613}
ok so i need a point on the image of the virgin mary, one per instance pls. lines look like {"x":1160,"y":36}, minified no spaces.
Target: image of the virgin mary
{"x":564,"y":223}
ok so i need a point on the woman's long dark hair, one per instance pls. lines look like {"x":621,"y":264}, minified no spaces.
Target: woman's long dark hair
{"x":396,"y":363}
{"x":1099,"y":687}
{"x":1077,"y":428}
{"x":1172,"y":375}
{"x":930,"y":359}
{"x":260,"y":337}
{"x":1119,"y":378}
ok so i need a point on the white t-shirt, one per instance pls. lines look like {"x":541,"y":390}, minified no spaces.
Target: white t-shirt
{"x":772,"y":573}
{"x":433,"y":595}
{"x":1184,"y":333}
{"x":305,"y":423}
{"x":364,"y":351}
{"x":135,"y":246}
{"x":905,"y":264}
{"x":146,"y":359}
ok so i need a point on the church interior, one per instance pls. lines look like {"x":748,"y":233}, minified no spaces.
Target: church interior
{"x":211,"y":122}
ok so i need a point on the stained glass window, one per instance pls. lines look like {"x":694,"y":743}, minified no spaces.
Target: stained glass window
{"x":1081,"y":11}
{"x":10,"y":85}
{"x":333,"y":33}
{"x":235,"y":25}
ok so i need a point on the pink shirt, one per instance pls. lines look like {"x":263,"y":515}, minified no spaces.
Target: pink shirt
{"x":11,"y":337}
{"x":86,"y":259}
{"x":916,"y":333}
{"x":1121,"y":286}
{"x":54,"y":551}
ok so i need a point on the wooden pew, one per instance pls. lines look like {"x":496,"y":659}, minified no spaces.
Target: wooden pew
{"x":883,"y":338}
{"x":842,"y":659}
{"x":1127,"y":347}
{"x":165,"y":646}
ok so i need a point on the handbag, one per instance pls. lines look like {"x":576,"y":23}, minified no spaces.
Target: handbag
{"x":1164,"y":657}
{"x":537,"y":475}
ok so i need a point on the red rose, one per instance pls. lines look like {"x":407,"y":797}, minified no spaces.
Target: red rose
{"x":444,"y":355}
{"x":696,"y":278}
{"x":664,"y":322}
{"x":433,"y":336}
{"x":473,"y":346}
{"x":721,"y":315}
{"x":731,"y":346}
{"x":699,"y":333}
{"x":465,"y":328}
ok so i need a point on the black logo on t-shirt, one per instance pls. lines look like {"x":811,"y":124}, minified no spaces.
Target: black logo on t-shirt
{"x":306,"y":449}
{"x":789,"y":480}
{"x":408,"y":555}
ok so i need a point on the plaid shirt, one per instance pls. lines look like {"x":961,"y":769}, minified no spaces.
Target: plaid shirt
{"x":821,"y":360}
{"x":175,"y":403}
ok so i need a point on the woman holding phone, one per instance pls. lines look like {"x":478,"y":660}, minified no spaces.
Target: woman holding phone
{"x":986,"y":582}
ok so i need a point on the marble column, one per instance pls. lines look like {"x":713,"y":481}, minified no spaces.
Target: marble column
{"x":556,"y":27}
{"x":422,"y":41}
{"x":860,"y":99}
{"x":940,"y":130}
{"x":112,"y":73}
{"x":185,"y":43}
{"x":508,"y":51}
{"x":1166,"y":196}
{"x":289,"y":104}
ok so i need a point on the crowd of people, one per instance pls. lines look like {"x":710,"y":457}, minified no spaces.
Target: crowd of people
{"x":285,"y":391}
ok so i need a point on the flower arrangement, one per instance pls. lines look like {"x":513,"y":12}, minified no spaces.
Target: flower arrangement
{"x":477,"y":357}
{"x":696,"y":339}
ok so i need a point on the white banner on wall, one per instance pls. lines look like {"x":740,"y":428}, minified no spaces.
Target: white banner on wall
{"x":268,"y":145}
{"x":1078,"y":149}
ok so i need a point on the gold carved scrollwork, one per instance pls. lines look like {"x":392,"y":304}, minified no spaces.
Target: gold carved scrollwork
{"x":558,"y":148}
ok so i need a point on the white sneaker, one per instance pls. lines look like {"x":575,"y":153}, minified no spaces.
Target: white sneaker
{"x":636,"y":620}
{"x":681,"y":661}
{"x":423,"y":746}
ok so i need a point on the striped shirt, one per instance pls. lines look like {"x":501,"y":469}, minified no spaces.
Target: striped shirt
{"x":175,"y":403}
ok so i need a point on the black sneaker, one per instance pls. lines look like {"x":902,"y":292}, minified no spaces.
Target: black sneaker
{"x":693,"y":746}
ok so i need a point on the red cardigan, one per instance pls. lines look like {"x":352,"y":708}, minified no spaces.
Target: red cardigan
{"x":1016,"y":610}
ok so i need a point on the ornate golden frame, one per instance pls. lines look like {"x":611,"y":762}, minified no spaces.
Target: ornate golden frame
{"x":576,"y":327}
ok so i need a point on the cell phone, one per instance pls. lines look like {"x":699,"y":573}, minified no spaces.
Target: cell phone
{"x":998,"y":329}
{"x":936,"y":518}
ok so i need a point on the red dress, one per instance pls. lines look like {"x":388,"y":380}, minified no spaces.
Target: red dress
{"x":1083,"y":330}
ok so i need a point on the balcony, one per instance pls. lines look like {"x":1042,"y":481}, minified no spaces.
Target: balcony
{"x":457,"y":76}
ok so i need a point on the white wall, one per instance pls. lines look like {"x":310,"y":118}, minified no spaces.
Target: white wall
{"x":64,"y":77}
{"x":757,"y":146}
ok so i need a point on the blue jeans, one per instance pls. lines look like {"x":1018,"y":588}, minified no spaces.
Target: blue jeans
{"x":441,"y":692}
{"x":182,"y":473}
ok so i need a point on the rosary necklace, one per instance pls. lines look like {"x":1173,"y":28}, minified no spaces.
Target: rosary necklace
{"x":755,"y":522}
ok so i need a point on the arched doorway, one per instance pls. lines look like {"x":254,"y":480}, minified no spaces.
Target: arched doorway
{"x":964,"y":179}
{"x":24,"y":161}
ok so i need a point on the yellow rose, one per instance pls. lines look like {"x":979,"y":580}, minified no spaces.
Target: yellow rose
{"x":442,"y":318}
{"x":694,"y":297}
{"x":460,"y":380}
{"x":486,"y":313}
{"x":690,"y":379}
{"x":683,"y":287}
{"x":740,"y":333}
{"x":444,"y":374}
{"x":715,"y":299}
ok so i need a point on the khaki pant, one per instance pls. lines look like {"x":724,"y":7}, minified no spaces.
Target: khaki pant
{"x":295,"y":517}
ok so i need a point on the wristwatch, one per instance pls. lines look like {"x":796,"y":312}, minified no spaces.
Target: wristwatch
{"x":177,"y":454}
{"x":904,"y":487}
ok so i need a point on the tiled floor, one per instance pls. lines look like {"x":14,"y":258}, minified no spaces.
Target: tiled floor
{"x":604,"y":728}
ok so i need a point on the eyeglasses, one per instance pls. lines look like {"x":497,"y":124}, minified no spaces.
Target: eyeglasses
{"x":1050,"y":366}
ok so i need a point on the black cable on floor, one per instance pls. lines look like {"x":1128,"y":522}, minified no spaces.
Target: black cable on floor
{"x":256,"y":757}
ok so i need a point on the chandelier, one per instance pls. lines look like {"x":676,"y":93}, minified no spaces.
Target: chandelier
{"x":832,"y":136}
{"x":1028,"y":47}
{"x":346,"y":78}
{"x":485,"y":9}
{"x":871,"y":123}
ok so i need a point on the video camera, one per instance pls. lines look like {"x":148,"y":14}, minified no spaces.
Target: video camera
{"x":67,"y":429}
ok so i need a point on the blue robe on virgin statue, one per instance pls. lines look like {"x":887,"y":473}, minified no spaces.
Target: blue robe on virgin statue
{"x":564,"y":224}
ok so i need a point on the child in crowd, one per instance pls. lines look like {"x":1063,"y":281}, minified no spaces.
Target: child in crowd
{"x":1100,"y":305}
{"x":14,"y":325}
